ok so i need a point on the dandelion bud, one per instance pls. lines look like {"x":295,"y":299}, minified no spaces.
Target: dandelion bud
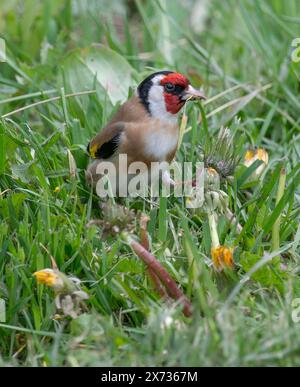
{"x":216,"y":200}
{"x":221,"y":155}
{"x":212,"y":179}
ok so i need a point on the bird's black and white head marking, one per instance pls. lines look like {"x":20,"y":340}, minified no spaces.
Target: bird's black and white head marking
{"x":145,"y":86}
{"x":150,"y":92}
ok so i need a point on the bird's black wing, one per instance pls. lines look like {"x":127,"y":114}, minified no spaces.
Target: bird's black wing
{"x":105,"y":144}
{"x":108,"y":148}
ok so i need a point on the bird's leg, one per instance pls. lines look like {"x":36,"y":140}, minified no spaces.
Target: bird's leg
{"x":167,"y":180}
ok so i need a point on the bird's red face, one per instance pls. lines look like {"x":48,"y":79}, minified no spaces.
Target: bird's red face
{"x":177,"y":90}
{"x":164,"y":93}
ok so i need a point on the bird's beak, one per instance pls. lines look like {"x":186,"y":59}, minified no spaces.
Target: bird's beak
{"x":192,"y":94}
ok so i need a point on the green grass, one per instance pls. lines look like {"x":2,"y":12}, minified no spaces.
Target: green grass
{"x":242,"y":54}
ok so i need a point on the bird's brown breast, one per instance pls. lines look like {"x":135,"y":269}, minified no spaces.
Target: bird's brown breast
{"x":149,"y":141}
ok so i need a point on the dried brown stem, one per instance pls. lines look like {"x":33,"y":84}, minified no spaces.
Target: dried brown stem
{"x":143,"y":232}
{"x":53,"y":262}
{"x":146,"y":244}
{"x":171,"y":286}
{"x":157,"y":284}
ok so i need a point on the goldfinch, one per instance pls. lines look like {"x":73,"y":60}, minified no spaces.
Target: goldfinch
{"x":145,"y":128}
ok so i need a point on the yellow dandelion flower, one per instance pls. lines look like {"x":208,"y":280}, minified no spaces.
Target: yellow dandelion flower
{"x":49,"y":277}
{"x":69,"y":296}
{"x":222,"y":257}
{"x":262,"y":155}
{"x":249,"y":156}
{"x":253,"y":155}
{"x":57,"y":189}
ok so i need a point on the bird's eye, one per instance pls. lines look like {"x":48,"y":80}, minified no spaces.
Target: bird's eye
{"x":169,"y":87}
